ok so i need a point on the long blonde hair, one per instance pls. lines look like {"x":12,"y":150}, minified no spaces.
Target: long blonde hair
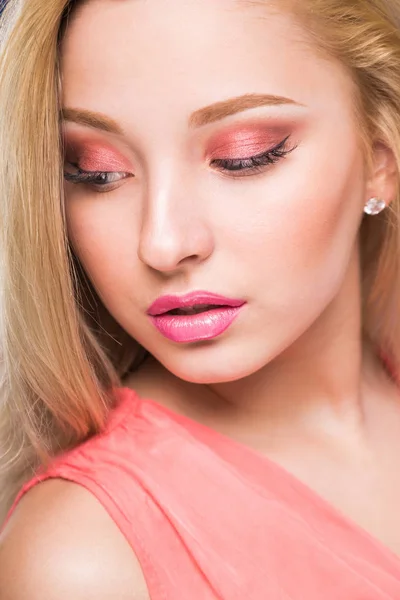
{"x":62,"y":352}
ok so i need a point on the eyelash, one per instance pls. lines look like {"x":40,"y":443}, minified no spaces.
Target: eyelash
{"x":91,"y":178}
{"x":254,"y":164}
{"x":250,"y":166}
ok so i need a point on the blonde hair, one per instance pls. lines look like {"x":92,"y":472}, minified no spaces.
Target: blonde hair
{"x":62,"y":352}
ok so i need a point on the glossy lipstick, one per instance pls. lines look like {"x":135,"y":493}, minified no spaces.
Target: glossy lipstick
{"x":195,"y":317}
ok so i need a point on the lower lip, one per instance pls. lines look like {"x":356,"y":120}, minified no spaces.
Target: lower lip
{"x":186,"y":329}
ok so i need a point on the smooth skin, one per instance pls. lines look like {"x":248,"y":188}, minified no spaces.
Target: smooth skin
{"x":292,"y":378}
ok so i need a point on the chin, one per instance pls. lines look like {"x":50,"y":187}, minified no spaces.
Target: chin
{"x":206,"y":365}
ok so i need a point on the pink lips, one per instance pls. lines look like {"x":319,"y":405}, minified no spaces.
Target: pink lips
{"x":217,"y":314}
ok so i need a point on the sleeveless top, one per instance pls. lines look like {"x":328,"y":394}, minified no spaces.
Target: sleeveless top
{"x":209,"y":518}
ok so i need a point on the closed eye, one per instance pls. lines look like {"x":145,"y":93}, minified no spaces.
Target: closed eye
{"x":99,"y":180}
{"x":254,"y":164}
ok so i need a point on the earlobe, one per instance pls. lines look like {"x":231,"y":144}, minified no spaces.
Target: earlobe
{"x":383,"y":183}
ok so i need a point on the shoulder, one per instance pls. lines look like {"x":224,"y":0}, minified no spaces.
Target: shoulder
{"x":61,"y":543}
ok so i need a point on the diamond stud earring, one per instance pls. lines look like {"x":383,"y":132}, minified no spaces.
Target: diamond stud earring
{"x":374,"y":206}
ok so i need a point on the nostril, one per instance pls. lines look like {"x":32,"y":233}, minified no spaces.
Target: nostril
{"x":190,"y":259}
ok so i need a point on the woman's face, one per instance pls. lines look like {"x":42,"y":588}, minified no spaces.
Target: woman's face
{"x":185,"y":94}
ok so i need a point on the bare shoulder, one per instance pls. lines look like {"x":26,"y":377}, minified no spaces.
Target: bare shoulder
{"x":60,"y":544}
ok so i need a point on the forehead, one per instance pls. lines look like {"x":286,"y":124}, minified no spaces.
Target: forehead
{"x":177,"y":55}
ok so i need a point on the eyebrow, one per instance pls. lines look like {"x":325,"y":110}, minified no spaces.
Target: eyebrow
{"x":232,"y":106}
{"x":91,"y":119}
{"x":203,"y":116}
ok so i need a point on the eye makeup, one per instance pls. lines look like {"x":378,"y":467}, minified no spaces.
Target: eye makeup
{"x":94,"y":163}
{"x":95,"y":156}
{"x":245,"y":141}
{"x":250,"y":149}
{"x":241,"y":150}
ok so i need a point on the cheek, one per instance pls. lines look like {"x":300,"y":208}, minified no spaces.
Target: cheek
{"x":299,"y":225}
{"x":103,"y":237}
{"x":325,"y":195}
{"x":326,"y":213}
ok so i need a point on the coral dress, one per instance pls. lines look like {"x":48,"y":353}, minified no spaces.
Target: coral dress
{"x":209,"y":518}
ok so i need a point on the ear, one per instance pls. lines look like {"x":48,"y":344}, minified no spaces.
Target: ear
{"x":383,"y":180}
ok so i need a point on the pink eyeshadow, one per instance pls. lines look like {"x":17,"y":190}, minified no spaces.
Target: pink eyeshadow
{"x":96,"y":157}
{"x":244,"y":142}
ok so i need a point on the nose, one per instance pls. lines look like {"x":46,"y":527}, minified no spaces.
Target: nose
{"x":174,"y":232}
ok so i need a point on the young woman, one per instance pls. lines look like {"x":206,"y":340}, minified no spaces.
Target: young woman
{"x":200,"y":243}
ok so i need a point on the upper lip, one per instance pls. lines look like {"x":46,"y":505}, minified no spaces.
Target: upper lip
{"x":166,"y":303}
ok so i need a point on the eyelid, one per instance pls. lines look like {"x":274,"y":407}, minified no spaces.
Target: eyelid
{"x":95,"y":155}
{"x":252,"y":137}
{"x":250,"y":147}
{"x":279,"y":146}
{"x":237,"y":167}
